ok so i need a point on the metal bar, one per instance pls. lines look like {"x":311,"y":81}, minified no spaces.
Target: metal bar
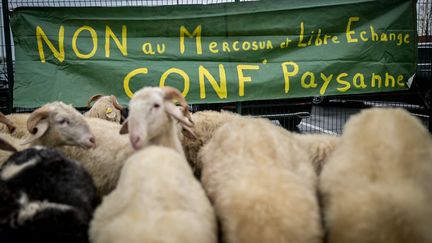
{"x":9,"y":61}
{"x":430,"y":120}
{"x":239,"y":107}
{"x":301,"y":114}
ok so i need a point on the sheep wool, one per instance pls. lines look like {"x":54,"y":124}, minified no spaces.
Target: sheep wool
{"x":20,"y":122}
{"x":106,"y":107}
{"x":376,"y":185}
{"x":319,"y":147}
{"x":157,"y":199}
{"x":14,"y":142}
{"x":261,"y":183}
{"x":105,"y":161}
{"x":205,"y":124}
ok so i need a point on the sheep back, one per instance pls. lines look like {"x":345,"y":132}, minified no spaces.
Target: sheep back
{"x":157,"y":200}
{"x":205,"y":124}
{"x":376,"y":185}
{"x":261,"y":183}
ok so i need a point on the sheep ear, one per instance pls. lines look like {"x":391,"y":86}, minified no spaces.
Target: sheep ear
{"x":171,"y":93}
{"x":36,"y":117}
{"x":5,"y":145}
{"x":110,"y":114}
{"x":37,"y":123}
{"x":187,"y":131}
{"x":115,"y":103}
{"x":179,"y":114}
{"x":124,"y":129}
{"x":37,"y":131}
{"x":93,"y":98}
{"x":7,"y":122}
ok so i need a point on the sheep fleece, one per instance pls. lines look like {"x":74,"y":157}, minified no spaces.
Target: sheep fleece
{"x":205,"y":124}
{"x":157,"y":200}
{"x":261,"y":183}
{"x":104,"y":162}
{"x":377,"y":185}
{"x":20,"y":122}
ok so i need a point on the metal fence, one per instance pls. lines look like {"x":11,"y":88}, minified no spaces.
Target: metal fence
{"x":306,"y":115}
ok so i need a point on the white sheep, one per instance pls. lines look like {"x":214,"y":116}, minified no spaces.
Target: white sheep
{"x":261,"y":183}
{"x":376,"y":185}
{"x":318,"y":146}
{"x":53,"y":125}
{"x":157,"y":198}
{"x":105,"y":107}
{"x":56,"y":124}
{"x":151,"y":115}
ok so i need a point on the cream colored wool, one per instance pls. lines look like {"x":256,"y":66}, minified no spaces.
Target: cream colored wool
{"x":261,"y":183}
{"x":157,"y":200}
{"x":205,"y":124}
{"x":319,"y":147}
{"x":15,"y":142}
{"x":104,"y":162}
{"x":20,"y":122}
{"x":377,"y":184}
{"x":103,"y":108}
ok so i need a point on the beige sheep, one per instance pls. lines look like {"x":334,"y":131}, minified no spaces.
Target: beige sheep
{"x":376,"y":185}
{"x":261,"y":183}
{"x":157,"y":199}
{"x":105,"y":107}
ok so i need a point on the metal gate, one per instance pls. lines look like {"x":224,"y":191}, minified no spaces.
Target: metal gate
{"x":306,"y":115}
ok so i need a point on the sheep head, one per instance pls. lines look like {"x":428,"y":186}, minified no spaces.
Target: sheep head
{"x":151,"y":111}
{"x":57,"y":124}
{"x":105,"y":107}
{"x":7,"y":122}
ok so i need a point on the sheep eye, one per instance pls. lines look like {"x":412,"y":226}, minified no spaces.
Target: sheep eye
{"x":156,"y":105}
{"x":63,"y":121}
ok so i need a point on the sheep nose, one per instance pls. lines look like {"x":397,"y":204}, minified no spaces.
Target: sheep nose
{"x":92,"y":140}
{"x":135,"y":141}
{"x":89,"y":142}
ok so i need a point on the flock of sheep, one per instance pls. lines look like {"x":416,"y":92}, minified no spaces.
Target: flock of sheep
{"x":166,"y":175}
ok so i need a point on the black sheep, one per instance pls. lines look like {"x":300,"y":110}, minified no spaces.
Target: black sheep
{"x":45,"y":197}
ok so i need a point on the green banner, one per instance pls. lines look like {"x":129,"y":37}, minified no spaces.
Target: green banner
{"x":214,"y":53}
